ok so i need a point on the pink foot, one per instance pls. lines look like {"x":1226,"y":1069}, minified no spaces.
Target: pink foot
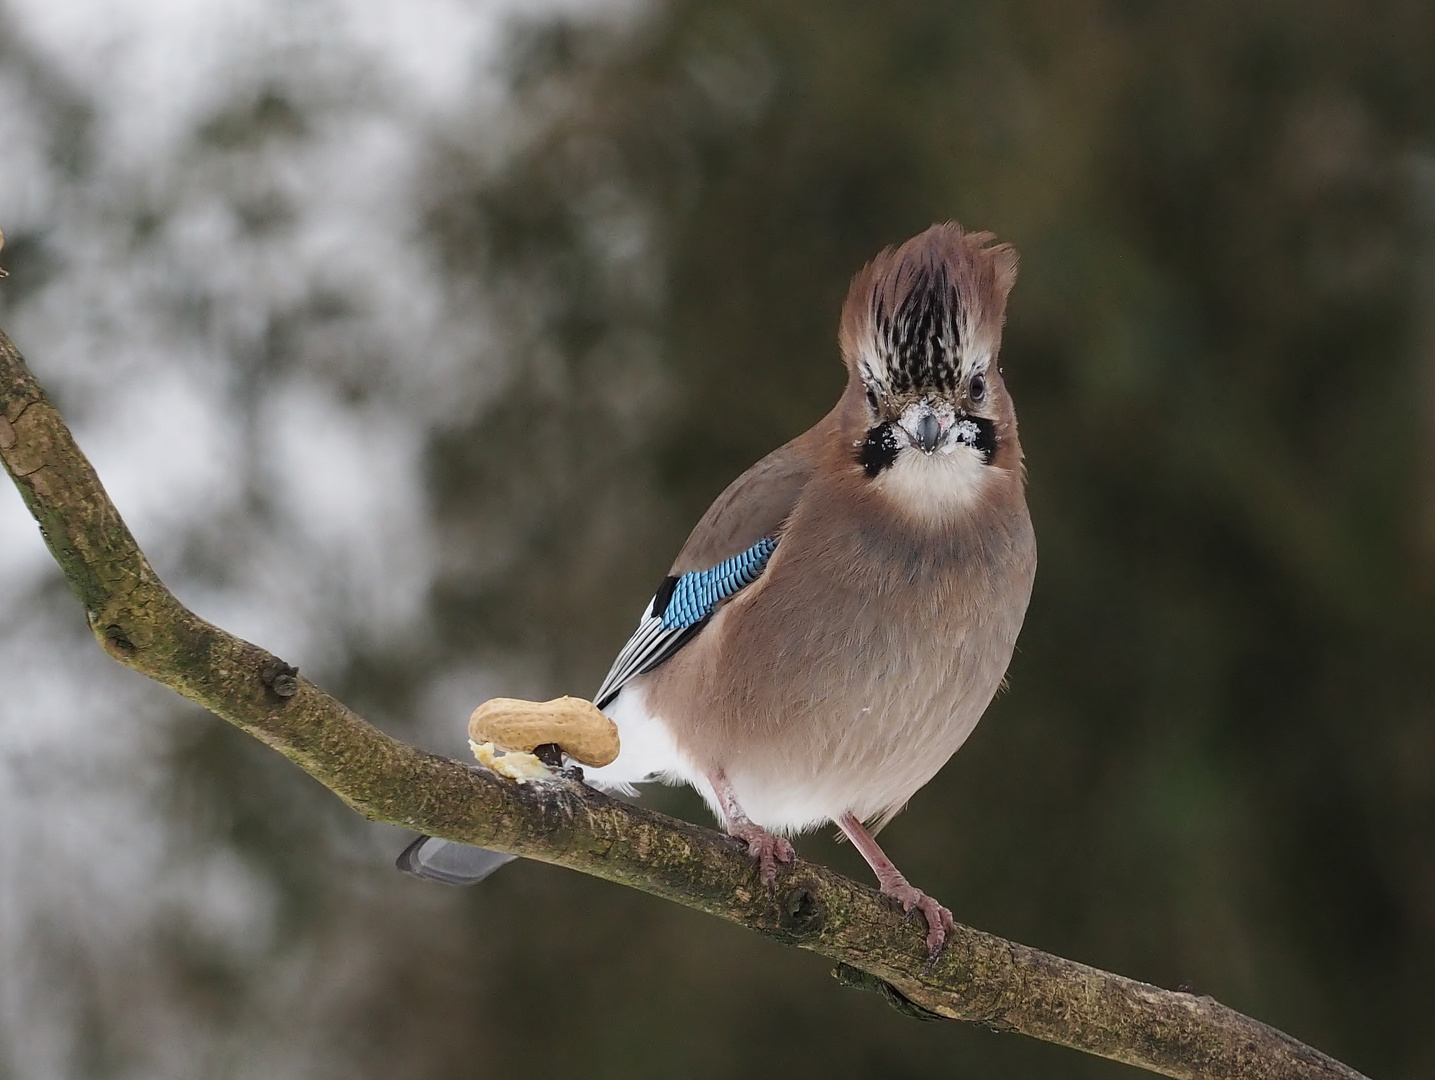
{"x":939,"y":920}
{"x":767,"y":849}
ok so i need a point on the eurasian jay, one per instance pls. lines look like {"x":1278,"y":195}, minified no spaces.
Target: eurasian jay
{"x":843,"y":614}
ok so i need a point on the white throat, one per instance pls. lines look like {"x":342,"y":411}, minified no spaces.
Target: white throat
{"x":936,"y":487}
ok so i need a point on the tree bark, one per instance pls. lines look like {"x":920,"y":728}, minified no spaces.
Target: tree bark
{"x":979,"y":977}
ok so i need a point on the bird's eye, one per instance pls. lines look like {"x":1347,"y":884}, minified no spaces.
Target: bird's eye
{"x":977,"y":389}
{"x":872,"y":399}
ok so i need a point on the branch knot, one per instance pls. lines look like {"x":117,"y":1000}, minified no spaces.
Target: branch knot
{"x":279,"y":678}
{"x":803,"y":912}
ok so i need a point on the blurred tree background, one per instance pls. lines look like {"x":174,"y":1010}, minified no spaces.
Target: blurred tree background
{"x":614,"y":284}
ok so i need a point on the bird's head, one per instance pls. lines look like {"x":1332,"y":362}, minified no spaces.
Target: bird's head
{"x":926,"y":414}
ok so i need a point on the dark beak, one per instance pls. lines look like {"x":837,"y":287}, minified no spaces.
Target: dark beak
{"x":929,"y":431}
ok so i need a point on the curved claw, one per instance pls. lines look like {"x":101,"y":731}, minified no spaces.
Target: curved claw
{"x":940,"y":923}
{"x":764,"y":848}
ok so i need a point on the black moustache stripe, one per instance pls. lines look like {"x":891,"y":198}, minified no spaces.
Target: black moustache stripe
{"x":879,"y":449}
{"x":986,"y":438}
{"x":881,"y":446}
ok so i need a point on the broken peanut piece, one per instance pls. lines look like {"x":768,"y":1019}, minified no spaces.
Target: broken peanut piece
{"x":514,"y":764}
{"x":575,"y":725}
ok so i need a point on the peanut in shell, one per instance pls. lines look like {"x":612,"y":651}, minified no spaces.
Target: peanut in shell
{"x":583,"y":733}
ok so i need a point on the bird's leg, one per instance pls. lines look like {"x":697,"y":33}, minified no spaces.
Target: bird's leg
{"x":939,"y":920}
{"x":762,"y":845}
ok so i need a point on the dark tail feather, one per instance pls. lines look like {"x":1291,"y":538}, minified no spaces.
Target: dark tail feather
{"x":453,"y":864}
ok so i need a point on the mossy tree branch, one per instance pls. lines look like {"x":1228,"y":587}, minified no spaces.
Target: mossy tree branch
{"x":980,"y":977}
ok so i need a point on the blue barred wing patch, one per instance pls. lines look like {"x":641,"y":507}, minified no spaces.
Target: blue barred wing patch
{"x":699,"y":591}
{"x":680,"y":609}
